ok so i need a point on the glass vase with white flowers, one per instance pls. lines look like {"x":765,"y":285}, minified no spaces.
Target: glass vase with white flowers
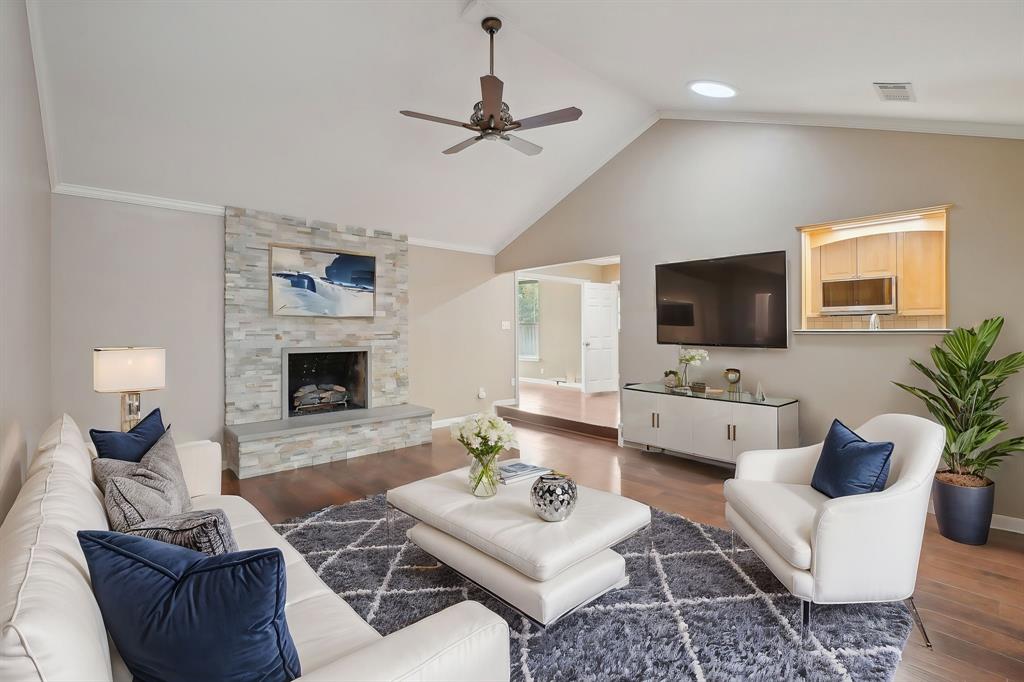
{"x":484,"y":436}
{"x":691,"y":356}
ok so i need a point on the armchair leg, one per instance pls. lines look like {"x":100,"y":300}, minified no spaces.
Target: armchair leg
{"x":732,"y":538}
{"x":805,"y":618}
{"x":909,"y":601}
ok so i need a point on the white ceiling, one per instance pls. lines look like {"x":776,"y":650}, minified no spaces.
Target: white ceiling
{"x":965,"y":58}
{"x":293,"y":106}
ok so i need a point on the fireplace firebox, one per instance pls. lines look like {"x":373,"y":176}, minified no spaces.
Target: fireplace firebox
{"x":317,"y":380}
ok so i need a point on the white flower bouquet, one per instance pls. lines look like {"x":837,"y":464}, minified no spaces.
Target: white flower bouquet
{"x":691,"y":356}
{"x":484,"y":436}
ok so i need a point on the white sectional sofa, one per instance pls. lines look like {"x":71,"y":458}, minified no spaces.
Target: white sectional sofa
{"x":52,"y":628}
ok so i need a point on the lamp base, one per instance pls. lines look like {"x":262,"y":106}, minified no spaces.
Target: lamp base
{"x":131,"y":410}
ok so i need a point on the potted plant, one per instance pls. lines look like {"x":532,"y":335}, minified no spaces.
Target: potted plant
{"x":965,"y":403}
{"x":484,"y":436}
{"x":672,"y":379}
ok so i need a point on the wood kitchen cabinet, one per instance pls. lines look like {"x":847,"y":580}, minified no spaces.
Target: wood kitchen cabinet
{"x":921,"y":276}
{"x":839,"y":260}
{"x":876,"y":255}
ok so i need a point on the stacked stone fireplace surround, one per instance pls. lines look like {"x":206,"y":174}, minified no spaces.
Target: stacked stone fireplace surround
{"x":257,"y":439}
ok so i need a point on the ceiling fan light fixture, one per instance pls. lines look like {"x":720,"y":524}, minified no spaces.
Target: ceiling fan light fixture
{"x":712,"y":89}
{"x":491,"y":119}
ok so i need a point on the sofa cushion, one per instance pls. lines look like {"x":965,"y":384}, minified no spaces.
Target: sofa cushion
{"x":781,"y":513}
{"x":129,"y":446}
{"x":50,"y":625}
{"x":218,"y":615}
{"x":206,"y":531}
{"x":323,"y":626}
{"x":850,"y":465}
{"x":150,"y":489}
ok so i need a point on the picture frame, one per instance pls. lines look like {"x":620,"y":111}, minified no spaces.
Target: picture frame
{"x":309,"y":281}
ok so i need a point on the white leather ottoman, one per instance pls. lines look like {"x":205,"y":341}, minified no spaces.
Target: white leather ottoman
{"x":544,"y":570}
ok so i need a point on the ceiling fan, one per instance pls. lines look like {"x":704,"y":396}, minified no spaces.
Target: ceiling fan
{"x":491,"y":119}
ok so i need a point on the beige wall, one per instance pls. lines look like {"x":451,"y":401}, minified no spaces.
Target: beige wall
{"x":456,"y":344}
{"x":559,"y":334}
{"x":126,"y":275}
{"x":24,"y":256}
{"x":688,"y":189}
{"x":137,"y":275}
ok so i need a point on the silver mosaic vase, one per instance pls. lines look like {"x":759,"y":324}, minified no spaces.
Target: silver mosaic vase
{"x":554,"y":497}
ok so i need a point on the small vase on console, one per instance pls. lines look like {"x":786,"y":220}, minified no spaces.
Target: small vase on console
{"x":690,"y":356}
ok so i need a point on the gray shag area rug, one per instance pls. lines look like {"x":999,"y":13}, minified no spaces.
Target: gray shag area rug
{"x":695,"y":614}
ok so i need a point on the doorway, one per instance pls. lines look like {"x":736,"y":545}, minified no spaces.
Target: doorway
{"x":567,"y":332}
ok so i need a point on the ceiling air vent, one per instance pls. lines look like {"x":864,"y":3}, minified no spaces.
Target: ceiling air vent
{"x":895,"y":92}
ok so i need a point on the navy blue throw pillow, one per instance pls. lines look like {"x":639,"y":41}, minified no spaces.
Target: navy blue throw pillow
{"x":850,"y":465}
{"x":130,"y":446}
{"x":179,"y":615}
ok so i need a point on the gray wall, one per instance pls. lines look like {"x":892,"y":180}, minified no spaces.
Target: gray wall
{"x":561,"y":351}
{"x":24,"y":256}
{"x":456,"y":343}
{"x":125,"y":274}
{"x":687,"y":189}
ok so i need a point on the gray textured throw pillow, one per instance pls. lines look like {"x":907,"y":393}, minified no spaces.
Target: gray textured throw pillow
{"x":206,"y":531}
{"x":150,"y":489}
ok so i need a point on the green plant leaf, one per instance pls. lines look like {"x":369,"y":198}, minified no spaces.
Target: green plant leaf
{"x":964,"y":399}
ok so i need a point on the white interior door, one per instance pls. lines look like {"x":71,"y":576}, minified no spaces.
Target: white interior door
{"x":600,"y":335}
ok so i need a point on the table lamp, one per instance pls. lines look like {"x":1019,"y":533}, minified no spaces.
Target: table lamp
{"x":128,"y":371}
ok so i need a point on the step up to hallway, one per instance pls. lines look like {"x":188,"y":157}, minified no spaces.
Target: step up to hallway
{"x":594,"y":430}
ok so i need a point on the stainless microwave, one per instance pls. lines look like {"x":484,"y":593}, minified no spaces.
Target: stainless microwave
{"x":858,"y":296}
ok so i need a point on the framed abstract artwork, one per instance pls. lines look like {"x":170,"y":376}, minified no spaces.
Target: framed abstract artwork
{"x":308,"y":282}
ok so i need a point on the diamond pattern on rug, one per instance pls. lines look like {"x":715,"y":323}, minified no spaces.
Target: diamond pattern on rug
{"x":695,"y":612}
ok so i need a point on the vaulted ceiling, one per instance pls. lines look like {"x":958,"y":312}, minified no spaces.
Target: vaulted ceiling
{"x":292,"y":107}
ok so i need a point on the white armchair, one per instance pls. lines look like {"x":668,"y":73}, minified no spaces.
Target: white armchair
{"x":860,"y":548}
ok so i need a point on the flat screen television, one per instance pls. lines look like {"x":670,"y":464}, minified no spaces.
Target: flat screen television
{"x":738,"y":301}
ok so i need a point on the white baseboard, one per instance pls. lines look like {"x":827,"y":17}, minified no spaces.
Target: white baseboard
{"x":1010,"y":523}
{"x":445,"y":423}
{"x":567,"y":384}
{"x":999,"y":522}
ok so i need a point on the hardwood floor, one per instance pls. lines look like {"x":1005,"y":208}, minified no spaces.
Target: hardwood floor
{"x":971,"y":598}
{"x":600,"y":409}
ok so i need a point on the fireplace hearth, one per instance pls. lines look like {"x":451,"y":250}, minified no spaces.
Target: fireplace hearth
{"x":317,"y":380}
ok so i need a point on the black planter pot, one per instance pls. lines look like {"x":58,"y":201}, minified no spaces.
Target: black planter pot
{"x":964,"y":514}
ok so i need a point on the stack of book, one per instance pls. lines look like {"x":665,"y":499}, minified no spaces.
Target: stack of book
{"x":513,"y":472}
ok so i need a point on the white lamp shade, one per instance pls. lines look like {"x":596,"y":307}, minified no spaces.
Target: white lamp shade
{"x":121,"y":370}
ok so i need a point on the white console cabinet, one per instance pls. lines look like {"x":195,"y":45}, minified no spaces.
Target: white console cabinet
{"x":716,"y":427}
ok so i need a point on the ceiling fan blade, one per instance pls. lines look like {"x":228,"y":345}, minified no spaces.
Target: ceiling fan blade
{"x":491,"y":89}
{"x":548,"y":119}
{"x":521,"y":145}
{"x":462,"y":145}
{"x":435,"y":119}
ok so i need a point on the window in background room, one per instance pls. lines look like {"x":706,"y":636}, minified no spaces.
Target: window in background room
{"x":883,"y":272}
{"x":528,"y":315}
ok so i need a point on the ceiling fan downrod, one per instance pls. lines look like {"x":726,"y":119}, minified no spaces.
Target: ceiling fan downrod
{"x":491,"y":25}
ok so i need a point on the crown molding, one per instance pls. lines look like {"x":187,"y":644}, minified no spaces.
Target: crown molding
{"x":42,"y":91}
{"x":902,"y":125}
{"x":137,"y":199}
{"x":451,"y":246}
{"x":217,"y":210}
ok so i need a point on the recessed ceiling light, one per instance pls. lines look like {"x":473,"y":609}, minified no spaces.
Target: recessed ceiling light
{"x":712,"y":89}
